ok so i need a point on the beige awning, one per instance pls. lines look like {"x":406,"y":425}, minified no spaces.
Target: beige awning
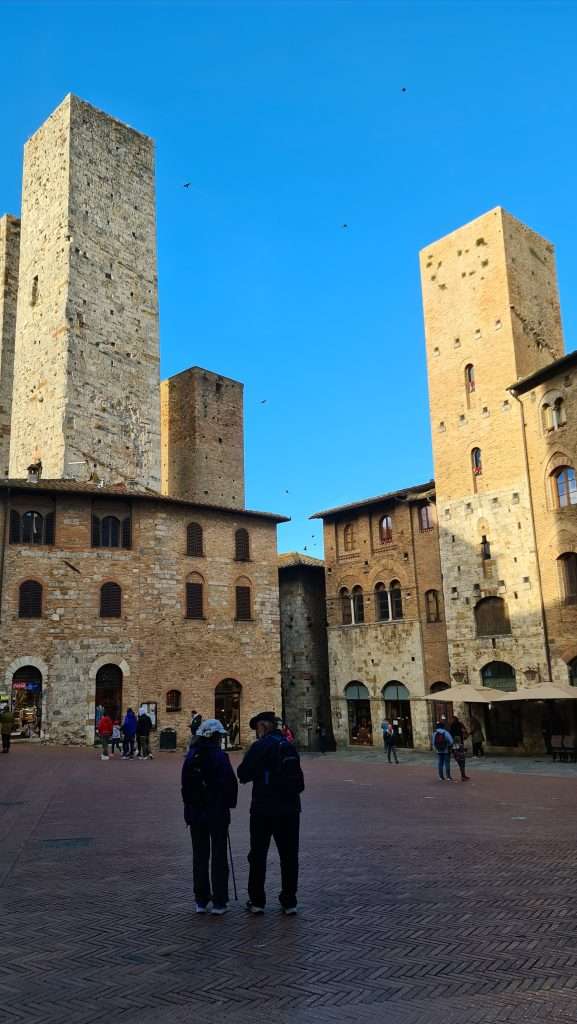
{"x":541,"y":691}
{"x":466,"y":694}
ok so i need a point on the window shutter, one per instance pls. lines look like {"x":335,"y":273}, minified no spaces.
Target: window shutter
{"x":127,"y":532}
{"x":242,"y":546}
{"x":110,"y":601}
{"x":14,"y":526}
{"x":194,"y":539}
{"x":194,"y":608}
{"x":95,"y":532}
{"x":30,"y":600}
{"x":243,"y":610}
{"x":49,"y":528}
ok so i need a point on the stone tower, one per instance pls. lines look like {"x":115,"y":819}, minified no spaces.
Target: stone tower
{"x":491,"y":316}
{"x":9,"y":254}
{"x":86,"y":375}
{"x":202,"y":438}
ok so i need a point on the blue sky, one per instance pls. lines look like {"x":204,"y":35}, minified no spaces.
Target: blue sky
{"x":290,"y":120}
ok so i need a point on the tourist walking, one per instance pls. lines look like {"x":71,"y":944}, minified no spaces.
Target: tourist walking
{"x":442,"y":744}
{"x":105,"y":727}
{"x":272,"y":765}
{"x":128,"y":734}
{"x":477,"y":737}
{"x":390,"y":741}
{"x":143,"y":730}
{"x":195,"y":722}
{"x":209,"y":792}
{"x":6,"y":726}
{"x":460,"y":755}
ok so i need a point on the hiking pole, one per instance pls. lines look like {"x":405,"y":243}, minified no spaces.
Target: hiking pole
{"x":232,"y":868}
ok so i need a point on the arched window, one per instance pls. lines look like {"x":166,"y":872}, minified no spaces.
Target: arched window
{"x":358,"y":605}
{"x":498,"y":675}
{"x":195,"y":597}
{"x":111,"y":532}
{"x":565,"y":486}
{"x":395,"y":691}
{"x":396,"y":600}
{"x":432,"y":605}
{"x":349,"y":537}
{"x":382,"y":609}
{"x":242,"y":545}
{"x":553,"y":414}
{"x":568,"y":567}
{"x":386,"y":530}
{"x":485,"y":549}
{"x":173,"y":700}
{"x":477,"y":462}
{"x":425,"y":518}
{"x":469,"y":378}
{"x":194,"y":539}
{"x":110,"y":601}
{"x":346,"y":608}
{"x":31,"y":527}
{"x":492,"y":617}
{"x":243,"y":600}
{"x":30,"y":600}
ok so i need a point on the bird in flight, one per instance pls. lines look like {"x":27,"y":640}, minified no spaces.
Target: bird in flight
{"x":344,"y":225}
{"x":187,"y":184}
{"x":263,"y":401}
{"x":403,"y":89}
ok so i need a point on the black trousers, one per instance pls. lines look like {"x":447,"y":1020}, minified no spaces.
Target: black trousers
{"x":6,"y":742}
{"x":284,"y":829}
{"x":210,"y":860}
{"x":128,"y":746}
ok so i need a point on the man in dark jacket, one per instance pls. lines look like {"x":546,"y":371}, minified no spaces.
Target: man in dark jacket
{"x":272,"y":765}
{"x":143,"y":730}
{"x":209,"y":791}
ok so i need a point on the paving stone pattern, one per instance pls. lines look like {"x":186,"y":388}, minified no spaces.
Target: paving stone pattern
{"x":422,"y":901}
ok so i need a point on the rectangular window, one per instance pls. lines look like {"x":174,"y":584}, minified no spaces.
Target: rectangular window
{"x":194,"y":601}
{"x":425,"y":518}
{"x":243,"y":609}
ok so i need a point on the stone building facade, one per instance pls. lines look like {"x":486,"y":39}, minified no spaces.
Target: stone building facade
{"x":304,"y":649}
{"x":386,"y":618}
{"x":119,"y":585}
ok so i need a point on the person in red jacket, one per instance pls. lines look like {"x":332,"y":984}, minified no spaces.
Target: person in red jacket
{"x":105,"y":727}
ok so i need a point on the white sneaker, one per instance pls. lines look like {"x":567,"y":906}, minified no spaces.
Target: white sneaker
{"x":150,"y":757}
{"x":219,"y":910}
{"x":289,"y":911}
{"x":104,"y":757}
{"x":202,"y":908}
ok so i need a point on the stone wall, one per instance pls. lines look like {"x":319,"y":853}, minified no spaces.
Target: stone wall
{"x":202,"y":428}
{"x":86,"y":376}
{"x":9,"y":257}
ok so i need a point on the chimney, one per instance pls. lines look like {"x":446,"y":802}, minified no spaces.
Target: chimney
{"x":34,"y":472}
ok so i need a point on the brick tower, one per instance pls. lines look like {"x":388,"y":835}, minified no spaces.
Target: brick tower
{"x":86,"y":375}
{"x":9,"y":253}
{"x":491,"y":317}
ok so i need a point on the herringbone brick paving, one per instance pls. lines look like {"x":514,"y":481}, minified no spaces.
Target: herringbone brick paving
{"x":422,"y":902}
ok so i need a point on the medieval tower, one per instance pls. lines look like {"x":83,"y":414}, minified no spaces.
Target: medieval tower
{"x":86,"y":401}
{"x":491,"y":317}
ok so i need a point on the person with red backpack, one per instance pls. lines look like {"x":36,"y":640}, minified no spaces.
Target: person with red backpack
{"x":273,"y":766}
{"x":442,"y":745}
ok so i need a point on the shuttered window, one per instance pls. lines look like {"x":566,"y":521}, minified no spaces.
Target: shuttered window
{"x":492,"y":617}
{"x":432,"y":603}
{"x":568,"y":564}
{"x":194,"y":602}
{"x":243,"y":604}
{"x":396,"y":600}
{"x":30,"y":600}
{"x":242,"y":546}
{"x":110,"y":601}
{"x":194,"y":539}
{"x":95,"y":532}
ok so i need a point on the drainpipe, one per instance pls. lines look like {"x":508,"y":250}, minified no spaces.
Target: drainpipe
{"x":534,"y":531}
{"x":4,"y":546}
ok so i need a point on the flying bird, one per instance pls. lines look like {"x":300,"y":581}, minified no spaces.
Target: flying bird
{"x":263,"y":401}
{"x":403,"y":89}
{"x":187,"y":184}
{"x":344,"y":225}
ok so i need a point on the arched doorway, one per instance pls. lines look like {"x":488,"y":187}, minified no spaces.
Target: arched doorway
{"x":441,"y":708}
{"x":227,"y":697}
{"x":359,"y":712}
{"x":398,"y":709}
{"x":108,"y":696}
{"x":503,"y":721}
{"x":27,"y":701}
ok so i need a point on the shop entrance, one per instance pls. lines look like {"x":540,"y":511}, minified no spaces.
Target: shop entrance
{"x":108,"y":697}
{"x":227,"y":708}
{"x":27,"y":701}
{"x":398,"y":709}
{"x":359,"y":713}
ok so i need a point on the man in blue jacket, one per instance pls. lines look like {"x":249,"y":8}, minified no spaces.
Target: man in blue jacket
{"x":209,"y":791}
{"x":442,"y":744}
{"x":272,"y":765}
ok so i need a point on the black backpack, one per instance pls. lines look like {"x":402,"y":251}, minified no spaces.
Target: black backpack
{"x":196,"y":790}
{"x":286,"y":776}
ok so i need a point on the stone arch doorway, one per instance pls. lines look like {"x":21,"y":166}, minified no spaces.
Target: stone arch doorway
{"x":26,"y":701}
{"x":108,"y":694}
{"x":359,"y":714}
{"x":398,"y":709}
{"x":503,"y":721}
{"x":227,"y":700}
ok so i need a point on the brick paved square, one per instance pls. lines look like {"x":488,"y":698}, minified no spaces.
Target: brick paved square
{"x":421,"y":901}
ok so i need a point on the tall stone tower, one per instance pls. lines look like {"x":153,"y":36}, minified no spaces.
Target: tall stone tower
{"x":86,"y":375}
{"x":9,"y":255}
{"x":203,"y":438}
{"x":491,"y":316}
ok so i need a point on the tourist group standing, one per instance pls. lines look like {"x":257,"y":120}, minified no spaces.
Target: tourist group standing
{"x":134,"y":732}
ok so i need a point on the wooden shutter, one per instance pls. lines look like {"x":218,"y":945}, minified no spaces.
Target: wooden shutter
{"x":49,"y":520}
{"x":127,"y":532}
{"x":194,"y":539}
{"x":243,"y":610}
{"x":95,"y":532}
{"x":30,"y":600}
{"x":194,"y":601}
{"x":14,"y":526}
{"x":242,"y":546}
{"x":110,"y":601}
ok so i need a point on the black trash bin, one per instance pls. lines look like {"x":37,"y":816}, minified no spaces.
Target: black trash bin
{"x":167,"y":739}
